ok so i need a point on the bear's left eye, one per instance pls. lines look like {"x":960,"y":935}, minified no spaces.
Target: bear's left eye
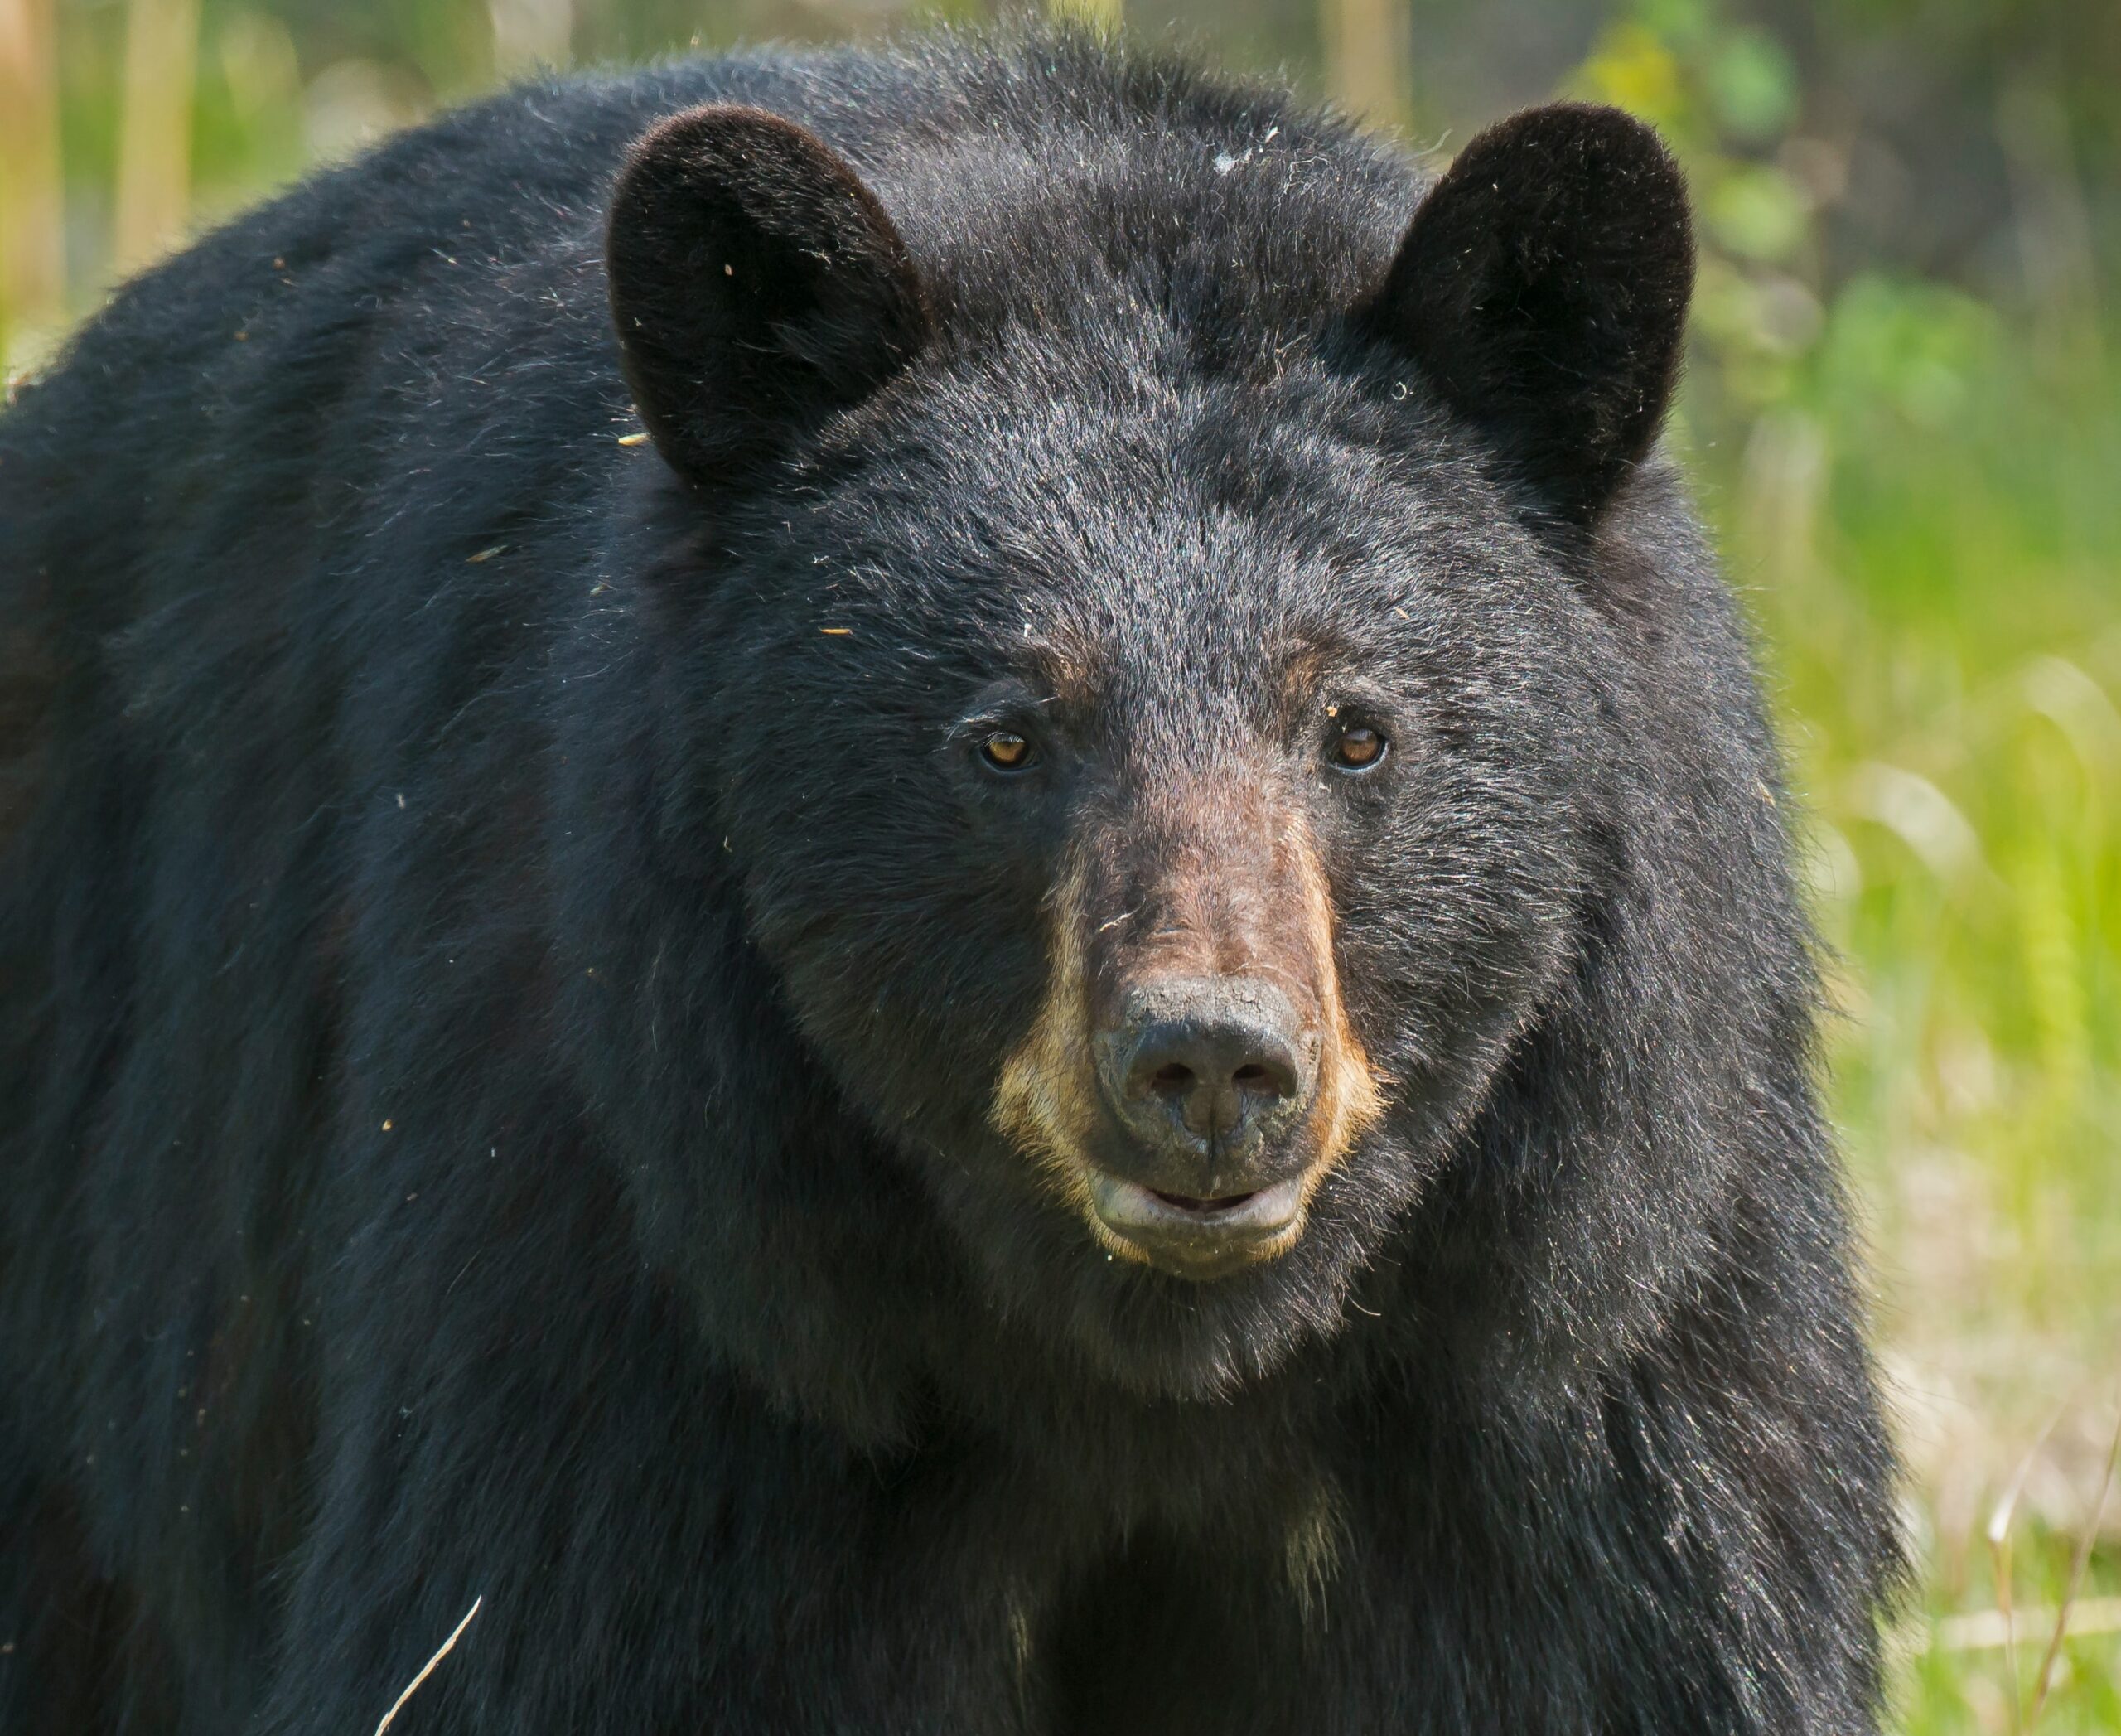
{"x":1358,"y":747}
{"x":1006,"y":751}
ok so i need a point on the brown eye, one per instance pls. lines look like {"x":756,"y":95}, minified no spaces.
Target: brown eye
{"x":1006,"y":751}
{"x":1358,"y":747}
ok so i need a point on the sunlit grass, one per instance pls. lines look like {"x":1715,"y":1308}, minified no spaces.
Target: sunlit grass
{"x":1929,"y":530}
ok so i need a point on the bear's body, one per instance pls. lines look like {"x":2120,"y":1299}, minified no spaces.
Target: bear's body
{"x":532,"y":1056}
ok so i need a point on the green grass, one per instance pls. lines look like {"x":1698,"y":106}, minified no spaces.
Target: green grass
{"x":1927,"y":522}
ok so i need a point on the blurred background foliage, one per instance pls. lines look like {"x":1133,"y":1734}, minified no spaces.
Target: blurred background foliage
{"x":1902,"y":414}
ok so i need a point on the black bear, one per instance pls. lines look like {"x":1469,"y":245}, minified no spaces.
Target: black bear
{"x":913,"y":891}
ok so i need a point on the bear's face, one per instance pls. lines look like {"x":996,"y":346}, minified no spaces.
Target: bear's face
{"x":1160,"y":792}
{"x":1164,"y":867}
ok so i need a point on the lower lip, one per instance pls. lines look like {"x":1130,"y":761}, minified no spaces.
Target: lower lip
{"x":1191,"y":1235}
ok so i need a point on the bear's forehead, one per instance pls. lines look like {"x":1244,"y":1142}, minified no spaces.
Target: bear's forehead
{"x":1079,"y":513}
{"x":1101,"y":427}
{"x":1230,"y":231}
{"x":1131,"y":609}
{"x":1163,"y":525}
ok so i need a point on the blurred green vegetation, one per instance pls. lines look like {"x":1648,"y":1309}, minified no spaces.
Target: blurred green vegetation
{"x":1915,"y":476}
{"x":1901,"y":410}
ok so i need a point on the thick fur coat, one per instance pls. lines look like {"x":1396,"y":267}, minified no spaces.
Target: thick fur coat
{"x":539,"y":1063}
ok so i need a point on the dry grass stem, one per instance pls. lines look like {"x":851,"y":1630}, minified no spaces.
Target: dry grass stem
{"x":1982,"y":1630}
{"x":2077,"y":1563}
{"x":426,"y":1669}
{"x":1999,"y":1550}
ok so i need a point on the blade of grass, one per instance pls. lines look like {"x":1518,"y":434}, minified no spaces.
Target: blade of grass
{"x":154,"y":146}
{"x":426,"y":1669}
{"x":1999,"y":1552}
{"x":1367,"y":44}
{"x":32,"y":207}
{"x":1104,"y":13}
{"x":2079,"y":1562}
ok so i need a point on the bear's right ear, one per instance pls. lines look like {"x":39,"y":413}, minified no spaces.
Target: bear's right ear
{"x":757,"y":287}
{"x":1542,"y":286}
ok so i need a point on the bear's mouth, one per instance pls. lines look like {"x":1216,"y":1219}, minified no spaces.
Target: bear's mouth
{"x":1187,"y":1202}
{"x":1196,"y":1237}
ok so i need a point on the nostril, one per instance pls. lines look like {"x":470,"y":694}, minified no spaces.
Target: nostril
{"x":1266,"y":1077}
{"x":1204,"y":1061}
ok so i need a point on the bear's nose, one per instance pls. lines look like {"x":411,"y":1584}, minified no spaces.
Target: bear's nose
{"x":1208,"y":1070}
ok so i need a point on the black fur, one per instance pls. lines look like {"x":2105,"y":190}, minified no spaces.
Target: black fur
{"x":756,"y":286}
{"x":504,"y":959}
{"x":1544,"y":286}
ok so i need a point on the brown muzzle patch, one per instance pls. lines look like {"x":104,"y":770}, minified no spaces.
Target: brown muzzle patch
{"x":1046,"y":1099}
{"x":1208,"y":885}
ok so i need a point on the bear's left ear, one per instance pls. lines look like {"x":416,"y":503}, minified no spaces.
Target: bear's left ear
{"x":1542,"y":286}
{"x":757,"y":287}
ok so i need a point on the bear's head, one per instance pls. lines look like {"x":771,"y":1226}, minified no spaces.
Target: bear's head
{"x":1145,"y":664}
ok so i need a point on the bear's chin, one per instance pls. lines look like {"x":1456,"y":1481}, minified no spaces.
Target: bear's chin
{"x":1162,"y":1337}
{"x":1059,"y":1296}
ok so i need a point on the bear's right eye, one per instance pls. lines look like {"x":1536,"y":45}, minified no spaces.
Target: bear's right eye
{"x":1005,"y":751}
{"x":1358,"y":747}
